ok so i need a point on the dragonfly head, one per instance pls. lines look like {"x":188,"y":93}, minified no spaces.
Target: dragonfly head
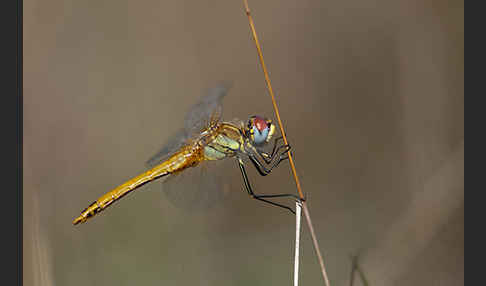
{"x":260,"y":130}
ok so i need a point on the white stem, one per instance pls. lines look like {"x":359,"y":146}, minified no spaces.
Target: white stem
{"x":298,"y":208}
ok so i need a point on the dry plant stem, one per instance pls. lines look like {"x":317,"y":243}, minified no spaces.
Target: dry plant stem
{"x":270,"y":90}
{"x":316,"y":245}
{"x":291,"y":161}
{"x":298,"y":208}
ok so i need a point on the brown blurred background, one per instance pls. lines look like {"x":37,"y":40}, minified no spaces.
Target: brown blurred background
{"x":371,"y":94}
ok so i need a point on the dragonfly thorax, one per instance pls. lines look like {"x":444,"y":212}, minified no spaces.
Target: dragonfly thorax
{"x":222,"y":142}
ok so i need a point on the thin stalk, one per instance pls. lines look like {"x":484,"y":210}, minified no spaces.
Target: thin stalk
{"x":282,"y":131}
{"x":298,"y":208}
{"x":270,"y":90}
{"x":316,"y":245}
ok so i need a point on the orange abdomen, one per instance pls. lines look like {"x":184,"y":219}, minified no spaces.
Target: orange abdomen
{"x":188,"y":156}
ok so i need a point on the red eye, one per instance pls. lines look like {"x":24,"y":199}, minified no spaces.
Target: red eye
{"x":260,"y":123}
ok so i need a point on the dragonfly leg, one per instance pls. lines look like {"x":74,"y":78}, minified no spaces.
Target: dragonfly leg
{"x":275,"y":144}
{"x":262,"y":169}
{"x":268,"y":158}
{"x":263,"y":198}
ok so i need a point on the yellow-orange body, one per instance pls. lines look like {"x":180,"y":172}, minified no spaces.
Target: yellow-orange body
{"x":216,"y":142}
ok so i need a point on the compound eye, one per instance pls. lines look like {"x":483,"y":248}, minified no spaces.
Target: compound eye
{"x":260,"y":137}
{"x":260,"y":130}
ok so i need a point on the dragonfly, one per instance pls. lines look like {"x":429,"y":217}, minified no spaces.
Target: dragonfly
{"x":205,"y":138}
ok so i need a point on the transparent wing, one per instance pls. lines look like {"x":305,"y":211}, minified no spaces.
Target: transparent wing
{"x":175,"y":142}
{"x":206,"y":112}
{"x":203,"y":186}
{"x":200,"y":188}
